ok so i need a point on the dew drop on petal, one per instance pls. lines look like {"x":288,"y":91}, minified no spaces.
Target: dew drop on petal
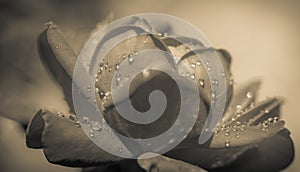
{"x":56,"y":46}
{"x":72,"y":117}
{"x":60,"y":114}
{"x":249,"y":95}
{"x":201,"y":82}
{"x":193,"y":65}
{"x":267,"y":111}
{"x":89,"y":88}
{"x":227,"y":143}
{"x":130,"y":58}
{"x":171,"y":141}
{"x":192,"y":76}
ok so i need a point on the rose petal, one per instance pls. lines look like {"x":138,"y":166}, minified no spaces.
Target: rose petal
{"x":241,"y":99}
{"x":209,"y":158}
{"x":244,"y":135}
{"x":59,"y":57}
{"x":272,"y":154}
{"x":163,"y":163}
{"x":184,"y":56}
{"x":259,"y":112}
{"x":64,"y":143}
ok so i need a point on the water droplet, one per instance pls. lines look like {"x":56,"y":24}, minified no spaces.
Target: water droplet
{"x":238,"y":106}
{"x":242,"y":127}
{"x":120,"y":150}
{"x":145,"y":41}
{"x":72,"y":117}
{"x":249,"y":95}
{"x":198,"y":63}
{"x":77,"y":123}
{"x":56,"y":46}
{"x":271,"y":120}
{"x":267,"y":111}
{"x":60,"y":114}
{"x":130,"y":58}
{"x":201,"y":82}
{"x":266,"y":124}
{"x":213,"y":95}
{"x":171,"y":141}
{"x":109,"y":69}
{"x":160,"y":34}
{"x":92,"y":135}
{"x":89,"y":88}
{"x":192,"y":76}
{"x":124,"y":56}
{"x":187,"y":74}
{"x":146,"y":73}
{"x":85,"y":119}
{"x":96,"y":126}
{"x":209,"y":68}
{"x":215,"y":82}
{"x":275,"y":119}
{"x":237,"y":135}
{"x":227,"y":143}
{"x":227,"y":133}
{"x":193,"y":65}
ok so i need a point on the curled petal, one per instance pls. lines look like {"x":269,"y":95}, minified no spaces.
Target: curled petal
{"x":64,"y":143}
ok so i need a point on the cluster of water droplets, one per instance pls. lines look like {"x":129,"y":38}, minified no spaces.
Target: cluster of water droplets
{"x":71,"y":117}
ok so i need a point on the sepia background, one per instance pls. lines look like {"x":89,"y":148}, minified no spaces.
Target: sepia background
{"x":263,"y":38}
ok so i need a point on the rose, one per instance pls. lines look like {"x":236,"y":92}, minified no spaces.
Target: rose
{"x":65,"y":143}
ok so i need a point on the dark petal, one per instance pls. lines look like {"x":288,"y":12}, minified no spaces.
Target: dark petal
{"x":64,"y":143}
{"x":59,"y":57}
{"x":209,"y":158}
{"x":163,"y":163}
{"x":35,"y":130}
{"x":270,"y":155}
{"x":124,"y":166}
{"x":106,"y":168}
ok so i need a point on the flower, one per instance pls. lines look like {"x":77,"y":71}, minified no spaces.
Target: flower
{"x":250,"y":137}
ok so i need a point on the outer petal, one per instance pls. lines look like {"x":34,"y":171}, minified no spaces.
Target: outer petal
{"x":64,"y":143}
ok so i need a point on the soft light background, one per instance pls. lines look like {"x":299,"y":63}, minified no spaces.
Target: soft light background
{"x":262,"y":37}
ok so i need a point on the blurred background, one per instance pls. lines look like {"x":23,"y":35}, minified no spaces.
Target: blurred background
{"x":262,"y":37}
